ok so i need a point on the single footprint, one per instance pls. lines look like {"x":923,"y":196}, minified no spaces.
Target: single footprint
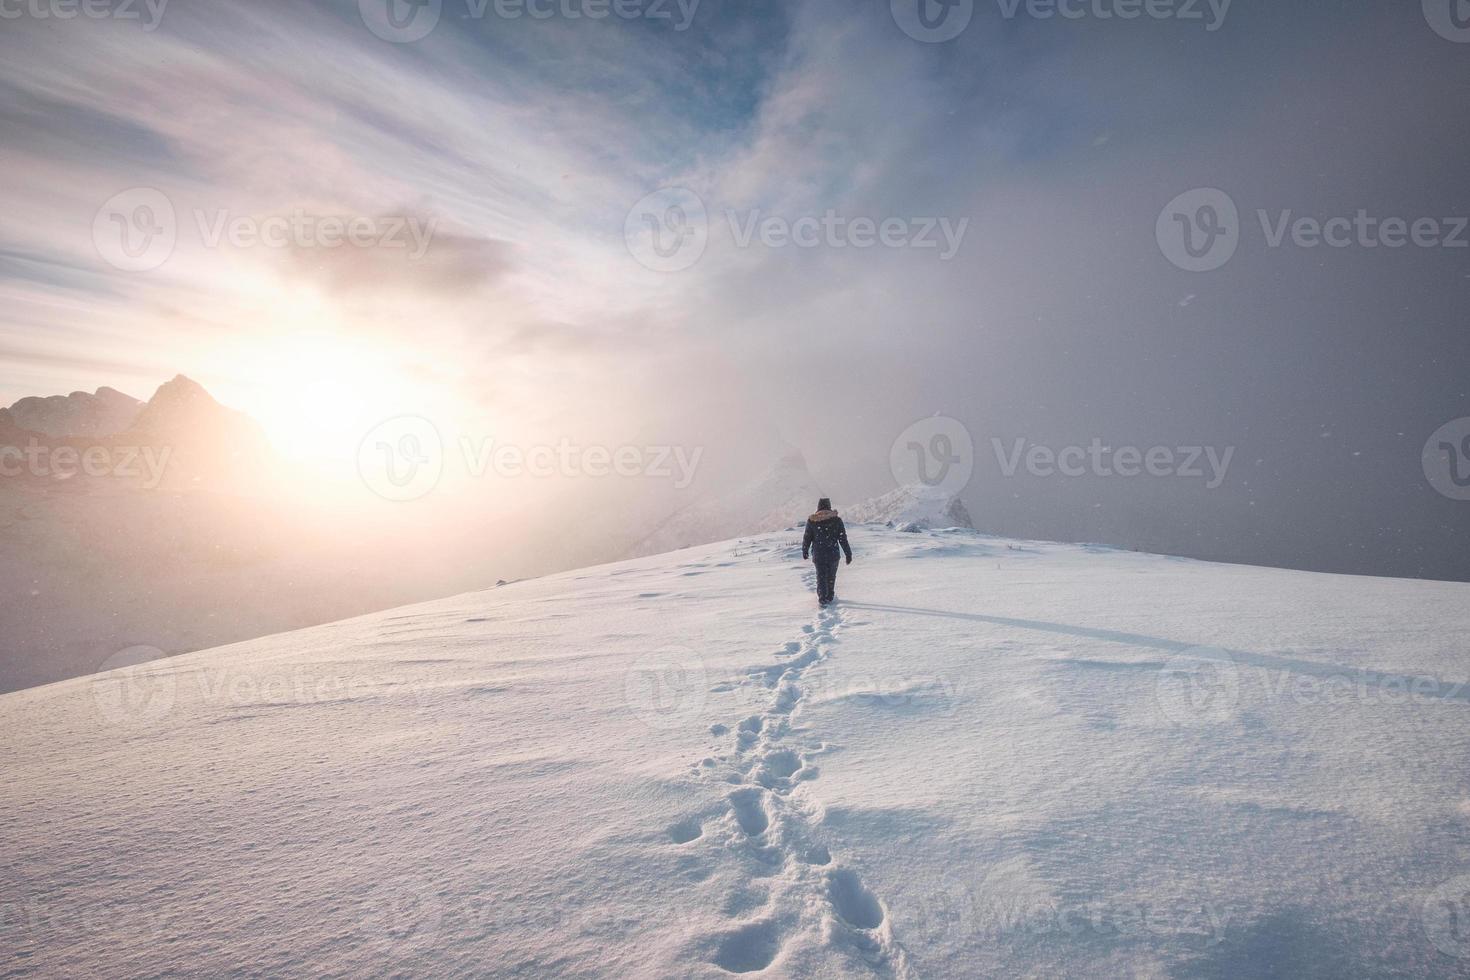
{"x":787,"y":697}
{"x":685,"y":831}
{"x":750,"y":811}
{"x":745,"y":901}
{"x":782,"y":763}
{"x":855,"y":905}
{"x":749,"y":948}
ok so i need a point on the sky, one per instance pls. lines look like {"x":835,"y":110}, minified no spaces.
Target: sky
{"x":173,"y":173}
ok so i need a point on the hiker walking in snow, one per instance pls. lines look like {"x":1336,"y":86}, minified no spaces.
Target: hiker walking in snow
{"x":825,"y":533}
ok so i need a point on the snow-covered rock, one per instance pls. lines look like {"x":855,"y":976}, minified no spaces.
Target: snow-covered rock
{"x":990,"y":759}
{"x":912,"y":507}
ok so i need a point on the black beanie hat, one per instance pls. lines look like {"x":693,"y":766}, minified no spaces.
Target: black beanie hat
{"x":824,"y":504}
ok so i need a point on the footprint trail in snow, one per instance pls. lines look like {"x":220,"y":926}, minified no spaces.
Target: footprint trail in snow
{"x":775,"y":829}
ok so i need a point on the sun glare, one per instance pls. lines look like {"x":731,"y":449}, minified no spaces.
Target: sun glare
{"x":324,"y":391}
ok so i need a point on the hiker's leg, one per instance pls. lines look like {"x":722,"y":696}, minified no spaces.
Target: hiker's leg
{"x":826,"y":569}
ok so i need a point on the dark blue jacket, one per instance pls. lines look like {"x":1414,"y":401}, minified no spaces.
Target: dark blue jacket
{"x":826,"y":533}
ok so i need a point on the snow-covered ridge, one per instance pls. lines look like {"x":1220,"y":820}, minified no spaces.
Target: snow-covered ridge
{"x":912,"y":508}
{"x":991,"y":758}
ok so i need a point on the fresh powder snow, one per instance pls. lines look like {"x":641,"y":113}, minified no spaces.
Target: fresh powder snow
{"x":990,"y":758}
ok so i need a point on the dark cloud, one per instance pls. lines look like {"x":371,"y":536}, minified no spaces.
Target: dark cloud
{"x":404,"y":252}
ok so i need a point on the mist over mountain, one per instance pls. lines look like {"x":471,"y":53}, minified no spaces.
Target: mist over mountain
{"x":164,"y":527}
{"x":180,"y":439}
{"x":778,"y":498}
{"x":195,"y":533}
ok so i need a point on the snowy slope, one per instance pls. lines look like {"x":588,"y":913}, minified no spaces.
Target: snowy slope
{"x":991,"y":758}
